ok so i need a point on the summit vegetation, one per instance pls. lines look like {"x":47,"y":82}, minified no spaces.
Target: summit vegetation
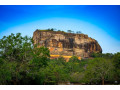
{"x":21,"y":63}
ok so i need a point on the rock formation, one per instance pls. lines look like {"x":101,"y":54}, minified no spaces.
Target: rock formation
{"x":67,"y":44}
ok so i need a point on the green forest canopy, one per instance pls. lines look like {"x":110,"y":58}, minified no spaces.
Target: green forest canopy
{"x":21,"y":63}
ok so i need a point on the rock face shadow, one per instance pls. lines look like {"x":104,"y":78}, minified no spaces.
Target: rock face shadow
{"x":66,"y":44}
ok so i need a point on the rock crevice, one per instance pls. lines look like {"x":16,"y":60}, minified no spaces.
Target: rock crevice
{"x":67,"y":44}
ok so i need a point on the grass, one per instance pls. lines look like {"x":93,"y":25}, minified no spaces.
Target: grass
{"x":51,"y":31}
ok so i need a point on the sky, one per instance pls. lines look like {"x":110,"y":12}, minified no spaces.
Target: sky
{"x":101,"y":22}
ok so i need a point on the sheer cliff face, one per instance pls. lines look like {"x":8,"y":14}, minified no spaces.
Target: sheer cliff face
{"x":68,"y":44}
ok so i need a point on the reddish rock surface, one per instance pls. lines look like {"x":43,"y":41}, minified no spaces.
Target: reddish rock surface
{"x":67,"y":44}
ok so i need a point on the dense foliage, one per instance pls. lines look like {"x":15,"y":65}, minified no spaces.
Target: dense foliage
{"x":22,"y":63}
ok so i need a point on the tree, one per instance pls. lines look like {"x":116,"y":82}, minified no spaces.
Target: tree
{"x":94,"y":54}
{"x":73,"y":65}
{"x":55,"y":72}
{"x":15,"y":51}
{"x":116,"y":62}
{"x":16,"y":47}
{"x":5,"y":74}
{"x":108,"y":55}
{"x":77,"y":77}
{"x":51,"y":29}
{"x":60,"y":61}
{"x":20,"y":59}
{"x":69,"y":31}
{"x":40,"y":60}
{"x":78,"y":32}
{"x":98,"y":69}
{"x":40,"y":57}
{"x":74,"y":59}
